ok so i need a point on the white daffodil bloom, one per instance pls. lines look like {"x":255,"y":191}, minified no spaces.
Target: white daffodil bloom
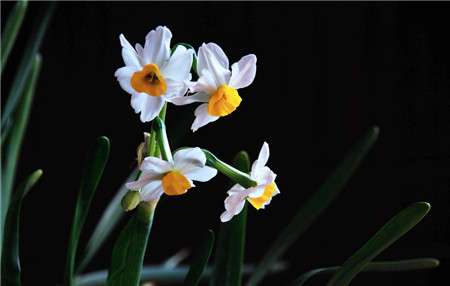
{"x":172,"y":178}
{"x":152,"y":75}
{"x":217,"y":86}
{"x":258,"y":196}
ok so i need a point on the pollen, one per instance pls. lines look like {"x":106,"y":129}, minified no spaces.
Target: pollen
{"x":259,"y":202}
{"x":149,"y":80}
{"x":174,"y":183}
{"x":224,"y":101}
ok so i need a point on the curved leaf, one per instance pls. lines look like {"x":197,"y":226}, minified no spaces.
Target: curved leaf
{"x":395,"y":228}
{"x":91,"y":177}
{"x":200,"y":260}
{"x":316,"y":204}
{"x":10,"y":256}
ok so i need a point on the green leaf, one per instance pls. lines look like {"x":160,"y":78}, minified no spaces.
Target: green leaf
{"x":129,"y":250}
{"x":316,"y":204}
{"x":14,"y":142}
{"x":200,"y":260}
{"x":231,"y":241}
{"x":395,"y":228}
{"x":112,"y":215}
{"x":11,"y":29}
{"x":10,"y":256}
{"x":91,"y":177}
{"x":20,"y":80}
{"x":379,"y":266}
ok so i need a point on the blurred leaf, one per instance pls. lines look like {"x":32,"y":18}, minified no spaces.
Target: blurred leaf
{"x":91,"y":177}
{"x":129,"y":249}
{"x":20,"y":80}
{"x":316,"y":204}
{"x":14,"y":142}
{"x":380,"y":266}
{"x":10,"y":256}
{"x":231,"y":241}
{"x":200,"y":260}
{"x":112,"y":215}
{"x":11,"y":29}
{"x":395,"y":228}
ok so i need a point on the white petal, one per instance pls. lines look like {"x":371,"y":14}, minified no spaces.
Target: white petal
{"x":201,"y":174}
{"x":183,"y":100}
{"x":236,"y":189}
{"x":205,"y":83}
{"x":179,"y":65}
{"x":234,"y":204}
{"x":149,"y":106}
{"x":256,"y":192}
{"x":141,"y":182}
{"x":263,"y":175}
{"x":155,"y":165}
{"x":263,"y":157}
{"x":175,"y":89}
{"x":157,"y":46}
{"x":212,"y":58}
{"x":152,"y":191}
{"x":189,"y":158}
{"x":129,"y":55}
{"x":226,"y":216}
{"x":243,"y":72}
{"x":140,"y":54}
{"x":202,"y":117}
{"x":123,"y":76}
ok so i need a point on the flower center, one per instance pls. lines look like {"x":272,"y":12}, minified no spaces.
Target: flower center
{"x":223,"y":101}
{"x":149,"y":80}
{"x":259,"y":202}
{"x":174,"y":183}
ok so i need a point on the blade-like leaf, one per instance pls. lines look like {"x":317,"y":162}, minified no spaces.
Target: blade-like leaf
{"x":129,"y":250}
{"x":200,"y":260}
{"x":20,"y":79}
{"x":316,"y":204}
{"x":91,"y":177}
{"x":395,"y":228}
{"x":231,"y":240}
{"x":379,"y":266}
{"x":11,"y":29}
{"x":112,"y":215}
{"x":14,"y":142}
{"x":10,"y":256}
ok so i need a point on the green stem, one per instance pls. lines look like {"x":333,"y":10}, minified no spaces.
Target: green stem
{"x":161,"y":137}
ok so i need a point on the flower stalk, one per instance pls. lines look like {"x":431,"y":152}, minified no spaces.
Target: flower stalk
{"x":161,"y":137}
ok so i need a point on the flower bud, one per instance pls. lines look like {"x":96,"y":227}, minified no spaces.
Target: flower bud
{"x":130,"y":200}
{"x":142,"y":149}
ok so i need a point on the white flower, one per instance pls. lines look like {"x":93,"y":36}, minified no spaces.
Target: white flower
{"x":217,"y":85}
{"x":151,"y":75}
{"x":258,"y":196}
{"x":173,"y":178}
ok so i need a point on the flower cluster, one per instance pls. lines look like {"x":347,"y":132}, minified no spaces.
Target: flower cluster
{"x":154,"y":75}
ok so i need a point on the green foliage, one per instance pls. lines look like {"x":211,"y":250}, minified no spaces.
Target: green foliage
{"x":91,"y":177}
{"x":395,"y":228}
{"x":200,"y":260}
{"x":319,"y":201}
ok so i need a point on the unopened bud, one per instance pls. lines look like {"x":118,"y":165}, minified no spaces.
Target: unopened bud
{"x":130,"y":200}
{"x":142,"y":149}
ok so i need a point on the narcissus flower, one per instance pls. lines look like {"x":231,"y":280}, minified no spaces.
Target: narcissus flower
{"x":217,"y":85}
{"x":152,"y":75}
{"x":172,"y":178}
{"x":258,"y":196}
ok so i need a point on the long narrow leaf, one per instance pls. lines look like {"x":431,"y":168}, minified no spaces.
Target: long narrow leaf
{"x":200,"y":260}
{"x":11,"y":29}
{"x":379,"y":266}
{"x":10,"y":256}
{"x":231,"y":240}
{"x":14,"y":142}
{"x":395,"y":228}
{"x":319,"y":201}
{"x":91,"y":177}
{"x":112,"y":215}
{"x":19,"y":82}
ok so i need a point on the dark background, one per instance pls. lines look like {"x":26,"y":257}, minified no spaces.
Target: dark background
{"x":326,"y":73}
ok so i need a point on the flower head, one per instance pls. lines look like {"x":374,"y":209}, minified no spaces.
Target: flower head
{"x":258,"y":196}
{"x":172,"y":178}
{"x":217,"y":86}
{"x":151,"y":74}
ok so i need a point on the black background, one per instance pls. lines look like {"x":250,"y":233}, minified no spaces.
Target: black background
{"x":326,"y":73}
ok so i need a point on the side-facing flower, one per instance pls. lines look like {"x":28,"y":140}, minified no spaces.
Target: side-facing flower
{"x":258,"y":196}
{"x":172,"y":178}
{"x":152,"y":75}
{"x":217,"y":86}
